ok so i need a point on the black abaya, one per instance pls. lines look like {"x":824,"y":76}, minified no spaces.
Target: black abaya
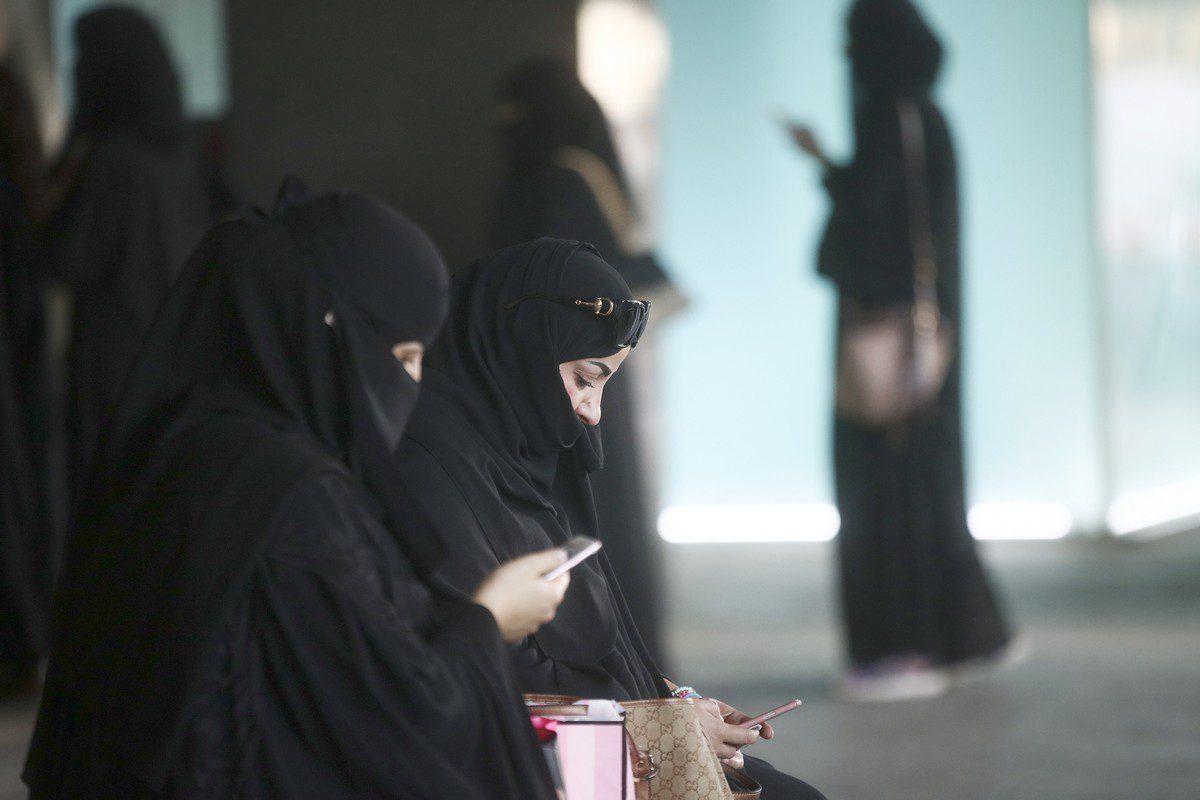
{"x":335,"y":647}
{"x":25,"y":551}
{"x":140,"y":206}
{"x":911,"y":580}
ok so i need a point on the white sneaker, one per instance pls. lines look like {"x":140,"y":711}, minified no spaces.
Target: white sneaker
{"x":976,"y":669}
{"x":895,"y":678}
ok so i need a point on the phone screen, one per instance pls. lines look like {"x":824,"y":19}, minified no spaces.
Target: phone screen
{"x":578,"y":548}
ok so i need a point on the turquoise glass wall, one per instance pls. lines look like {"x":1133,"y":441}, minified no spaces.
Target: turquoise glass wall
{"x":195,"y":31}
{"x":747,"y":373}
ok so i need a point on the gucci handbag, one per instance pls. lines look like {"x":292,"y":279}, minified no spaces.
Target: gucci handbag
{"x":668,"y":731}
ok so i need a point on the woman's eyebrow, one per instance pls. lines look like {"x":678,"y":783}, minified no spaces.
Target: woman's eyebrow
{"x":603,"y":367}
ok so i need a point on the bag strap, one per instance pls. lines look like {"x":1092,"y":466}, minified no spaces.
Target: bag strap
{"x":926,"y":312}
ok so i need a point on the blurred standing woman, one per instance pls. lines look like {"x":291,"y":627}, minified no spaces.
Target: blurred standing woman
{"x":139,"y":205}
{"x":25,"y":551}
{"x":918,"y":610}
{"x":238,"y":614}
{"x":564,"y":180}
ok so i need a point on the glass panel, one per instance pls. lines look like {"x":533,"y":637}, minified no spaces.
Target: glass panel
{"x":1146,"y":72}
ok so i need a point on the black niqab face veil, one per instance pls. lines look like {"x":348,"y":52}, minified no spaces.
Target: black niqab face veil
{"x":376,"y":303}
{"x":269,"y":362}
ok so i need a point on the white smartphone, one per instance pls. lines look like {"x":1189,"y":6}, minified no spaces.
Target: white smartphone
{"x":578,"y":548}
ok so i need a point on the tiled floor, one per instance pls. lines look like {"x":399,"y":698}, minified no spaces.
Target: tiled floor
{"x":1106,"y":708}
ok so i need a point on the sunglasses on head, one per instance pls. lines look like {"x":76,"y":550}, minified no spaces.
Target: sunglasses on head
{"x":626,"y":318}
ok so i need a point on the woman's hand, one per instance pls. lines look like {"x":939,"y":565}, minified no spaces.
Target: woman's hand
{"x":719,"y":721}
{"x":806,"y":140}
{"x":519,"y":597}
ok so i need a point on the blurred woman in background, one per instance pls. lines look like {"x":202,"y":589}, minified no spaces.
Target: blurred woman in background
{"x":25,"y":543}
{"x":138,"y":203}
{"x":239,"y":614}
{"x":565,"y":180}
{"x":918,"y":609}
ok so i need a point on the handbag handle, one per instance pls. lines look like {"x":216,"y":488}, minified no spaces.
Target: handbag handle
{"x":926,"y":312}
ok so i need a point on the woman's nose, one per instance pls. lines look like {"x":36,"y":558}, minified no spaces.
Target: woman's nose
{"x":589,"y":412}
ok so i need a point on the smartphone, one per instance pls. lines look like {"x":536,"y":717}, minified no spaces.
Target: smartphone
{"x":772,"y":714}
{"x":578,"y":548}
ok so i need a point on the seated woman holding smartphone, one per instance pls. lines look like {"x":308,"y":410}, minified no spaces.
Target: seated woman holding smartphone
{"x":495,"y":464}
{"x":239,"y":616}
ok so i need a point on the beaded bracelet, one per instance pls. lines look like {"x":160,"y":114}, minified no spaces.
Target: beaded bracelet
{"x":683,"y":692}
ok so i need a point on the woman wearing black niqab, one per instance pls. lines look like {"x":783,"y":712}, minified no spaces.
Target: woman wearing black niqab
{"x":564,"y":180}
{"x":235,"y":618}
{"x":139,"y":204}
{"x":497,"y":458}
{"x":917,"y":605}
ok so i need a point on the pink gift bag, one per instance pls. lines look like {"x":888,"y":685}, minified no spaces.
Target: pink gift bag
{"x":593,"y":752}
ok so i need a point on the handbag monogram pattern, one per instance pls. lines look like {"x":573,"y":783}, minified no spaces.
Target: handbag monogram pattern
{"x":670,"y":732}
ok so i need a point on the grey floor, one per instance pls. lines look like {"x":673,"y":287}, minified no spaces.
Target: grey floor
{"x":1107,"y":707}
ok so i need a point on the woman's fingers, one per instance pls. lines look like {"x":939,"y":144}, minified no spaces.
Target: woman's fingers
{"x":740,"y":736}
{"x":725,"y":739}
{"x":737,"y":762}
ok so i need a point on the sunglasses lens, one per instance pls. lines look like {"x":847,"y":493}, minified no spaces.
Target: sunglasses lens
{"x":629,"y":323}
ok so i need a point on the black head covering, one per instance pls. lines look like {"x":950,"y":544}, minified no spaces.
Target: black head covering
{"x":553,"y":110}
{"x":893,"y":51}
{"x":508,"y":359}
{"x":124,"y":78}
{"x":268,"y":363}
{"x":495,"y":415}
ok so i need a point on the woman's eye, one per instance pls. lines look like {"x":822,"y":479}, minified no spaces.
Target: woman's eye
{"x":582,"y":382}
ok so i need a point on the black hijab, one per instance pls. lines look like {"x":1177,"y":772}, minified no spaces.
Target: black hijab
{"x":892,"y":49}
{"x":124,"y":79}
{"x":552,"y":109}
{"x":269,"y":363}
{"x":495,"y":415}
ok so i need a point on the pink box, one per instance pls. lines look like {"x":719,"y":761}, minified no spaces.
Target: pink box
{"x":594,"y":754}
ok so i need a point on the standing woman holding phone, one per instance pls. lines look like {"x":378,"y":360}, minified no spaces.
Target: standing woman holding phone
{"x":917,"y":605}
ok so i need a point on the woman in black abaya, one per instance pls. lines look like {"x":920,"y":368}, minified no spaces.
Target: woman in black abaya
{"x":139,"y":205}
{"x":25,"y":545}
{"x":564,"y":180}
{"x":238,"y":616}
{"x":918,"y":609}
{"x":496,"y":464}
